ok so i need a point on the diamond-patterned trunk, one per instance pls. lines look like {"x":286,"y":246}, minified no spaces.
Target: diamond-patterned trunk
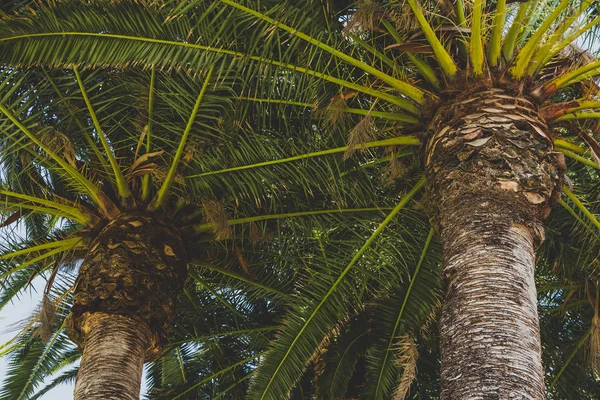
{"x":494,"y":177}
{"x":124,"y":302}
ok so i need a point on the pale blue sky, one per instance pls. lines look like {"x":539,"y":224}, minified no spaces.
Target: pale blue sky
{"x":10,"y":318}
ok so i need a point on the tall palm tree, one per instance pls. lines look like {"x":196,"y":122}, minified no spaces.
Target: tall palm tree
{"x":94,"y":167}
{"x":494,"y":95}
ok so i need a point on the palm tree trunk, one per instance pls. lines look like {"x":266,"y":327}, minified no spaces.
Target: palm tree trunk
{"x":113,"y":358}
{"x":494,"y":177}
{"x":124,"y":303}
{"x":490,"y":335}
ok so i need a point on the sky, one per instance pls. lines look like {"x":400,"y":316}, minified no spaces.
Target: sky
{"x":11,"y":316}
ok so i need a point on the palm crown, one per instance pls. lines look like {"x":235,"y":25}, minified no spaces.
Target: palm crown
{"x":374,"y":74}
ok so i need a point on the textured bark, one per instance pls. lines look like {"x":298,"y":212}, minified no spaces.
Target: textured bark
{"x":494,"y":177}
{"x":113,"y":357}
{"x":135,"y":267}
{"x":124,"y":303}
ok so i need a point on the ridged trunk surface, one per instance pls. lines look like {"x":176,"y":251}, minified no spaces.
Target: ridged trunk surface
{"x":113,"y":357}
{"x":124,"y":303}
{"x":494,"y":177}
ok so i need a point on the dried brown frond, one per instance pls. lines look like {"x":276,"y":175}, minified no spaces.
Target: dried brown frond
{"x":432,"y":318}
{"x":366,"y":17}
{"x":59,"y":143}
{"x":188,"y":155}
{"x":318,"y":356}
{"x":394,"y":170}
{"x":215,"y":215}
{"x":335,"y":110}
{"x":362,"y":133}
{"x":404,"y":19}
{"x":406,"y":357}
{"x":256,"y":233}
{"x":243,"y":262}
{"x":45,"y":319}
{"x":11,"y":219}
{"x":140,"y":142}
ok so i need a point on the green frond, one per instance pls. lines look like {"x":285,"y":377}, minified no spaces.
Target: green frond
{"x":590,"y":228}
{"x":512,"y":36}
{"x":381,"y":367}
{"x":214,"y":293}
{"x":444,"y":59}
{"x":580,"y":343}
{"x":57,"y":247}
{"x":237,"y":332}
{"x":146,"y":178}
{"x":495,"y":46}
{"x":579,"y":158}
{"x":591,"y":217}
{"x":424,"y":69}
{"x":404,"y":88}
{"x":82,"y":129}
{"x":579,"y":115}
{"x":541,"y":52}
{"x":26,"y":372}
{"x":122,"y":186}
{"x":92,"y":190}
{"x":206,"y":226}
{"x":216,"y":374}
{"x":286,"y":360}
{"x":402,"y":140}
{"x":163,"y":192}
{"x":460,"y":12}
{"x":251,"y":283}
{"x":335,"y":369}
{"x":526,"y":53}
{"x":571,"y":38}
{"x":52,"y":207}
{"x":476,"y":44}
{"x":563,"y":144}
{"x":578,"y":74}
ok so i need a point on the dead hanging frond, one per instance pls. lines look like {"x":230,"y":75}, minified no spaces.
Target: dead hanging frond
{"x":335,"y":110}
{"x":403,"y":19}
{"x":406,"y":358}
{"x":394,"y":170}
{"x":367,"y":16}
{"x":243,"y":262}
{"x":45,"y":319}
{"x":256,"y":234}
{"x":432,"y":319}
{"x":215,"y":215}
{"x":60,"y":144}
{"x":362,"y":133}
{"x":319,"y":355}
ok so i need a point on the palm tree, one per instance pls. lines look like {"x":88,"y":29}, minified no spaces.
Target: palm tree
{"x":494,"y":95}
{"x":94,"y":165}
